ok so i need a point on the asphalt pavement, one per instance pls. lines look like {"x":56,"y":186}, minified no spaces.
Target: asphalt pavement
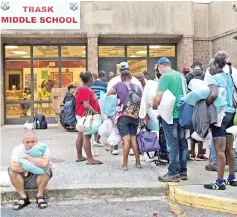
{"x":116,"y":207}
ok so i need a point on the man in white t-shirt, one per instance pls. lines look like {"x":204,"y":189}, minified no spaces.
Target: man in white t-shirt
{"x":122,"y":66}
{"x":22,"y":179}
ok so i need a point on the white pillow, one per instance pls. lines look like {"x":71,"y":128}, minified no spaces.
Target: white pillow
{"x":167,"y":106}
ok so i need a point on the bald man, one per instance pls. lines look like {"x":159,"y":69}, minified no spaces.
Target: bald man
{"x":22,"y":179}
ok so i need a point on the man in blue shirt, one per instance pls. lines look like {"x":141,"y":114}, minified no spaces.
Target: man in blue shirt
{"x":100,"y":84}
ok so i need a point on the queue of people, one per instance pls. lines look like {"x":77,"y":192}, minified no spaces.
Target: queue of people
{"x":212,"y":105}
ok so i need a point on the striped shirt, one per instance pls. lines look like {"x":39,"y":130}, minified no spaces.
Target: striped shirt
{"x":99,"y":86}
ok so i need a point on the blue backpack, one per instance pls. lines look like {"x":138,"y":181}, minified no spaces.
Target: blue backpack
{"x":69,"y":113}
{"x":40,"y":122}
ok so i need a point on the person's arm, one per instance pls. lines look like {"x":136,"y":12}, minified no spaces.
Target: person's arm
{"x":16,"y":167}
{"x":214,"y":92}
{"x":157,"y":100}
{"x":86,"y":104}
{"x":40,"y":162}
{"x":112,"y":91}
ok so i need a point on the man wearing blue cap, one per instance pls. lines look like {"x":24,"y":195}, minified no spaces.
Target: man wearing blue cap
{"x":175,"y":135}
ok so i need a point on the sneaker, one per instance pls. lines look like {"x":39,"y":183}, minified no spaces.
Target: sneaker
{"x":215,"y":186}
{"x":210,"y":167}
{"x":202,"y":158}
{"x":197,"y":137}
{"x":114,"y":152}
{"x":163,"y":158}
{"x":192,"y":157}
{"x":131,"y":152}
{"x":169,"y":178}
{"x":231,"y":182}
{"x":183,"y":176}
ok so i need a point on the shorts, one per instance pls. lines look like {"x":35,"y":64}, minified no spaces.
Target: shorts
{"x":128,"y":126}
{"x":30,"y":179}
{"x":220,"y":132}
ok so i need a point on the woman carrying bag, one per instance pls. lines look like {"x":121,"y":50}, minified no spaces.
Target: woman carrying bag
{"x":86,"y":104}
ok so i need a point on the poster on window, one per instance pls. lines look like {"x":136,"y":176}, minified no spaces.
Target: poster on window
{"x":28,"y":81}
{"x":67,"y":78}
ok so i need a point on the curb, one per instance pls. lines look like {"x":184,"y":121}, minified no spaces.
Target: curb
{"x":178,"y":195}
{"x":87,"y":192}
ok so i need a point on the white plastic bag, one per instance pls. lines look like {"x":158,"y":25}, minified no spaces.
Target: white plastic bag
{"x":151,"y":159}
{"x":28,"y":126}
{"x":106,"y":128}
{"x":84,"y":123}
{"x":167,"y":106}
{"x":196,"y":84}
{"x":103,"y":140}
{"x":114,"y":138}
{"x":5,"y":179}
{"x":232,"y":130}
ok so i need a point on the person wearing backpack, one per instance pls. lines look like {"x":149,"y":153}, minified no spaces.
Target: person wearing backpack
{"x":129,"y":95}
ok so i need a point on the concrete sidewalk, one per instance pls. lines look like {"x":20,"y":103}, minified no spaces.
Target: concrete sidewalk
{"x":78,"y":180}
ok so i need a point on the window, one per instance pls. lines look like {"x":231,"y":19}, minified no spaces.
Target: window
{"x":137,"y":51}
{"x":136,"y":66}
{"x":160,"y":51}
{"x":45,"y":51}
{"x":73,"y":51}
{"x":111,"y":51}
{"x":16,"y":79}
{"x":17,"y":51}
{"x":71,"y":70}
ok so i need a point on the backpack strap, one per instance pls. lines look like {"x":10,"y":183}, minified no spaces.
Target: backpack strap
{"x":235,"y":88}
{"x":128,"y":93}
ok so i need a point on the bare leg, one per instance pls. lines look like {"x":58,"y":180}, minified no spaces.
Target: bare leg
{"x":126,"y":148}
{"x":79,"y":144}
{"x":42,"y":181}
{"x":230,"y":154}
{"x":87,"y":148}
{"x":192,"y":143}
{"x":136,"y":151}
{"x":18,"y":182}
{"x":220,"y":146}
{"x":200,"y":147}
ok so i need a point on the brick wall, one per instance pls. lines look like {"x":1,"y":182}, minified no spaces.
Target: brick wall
{"x":228,"y":44}
{"x":202,"y":52}
{"x":1,"y":89}
{"x":184,"y":52}
{"x":92,"y":57}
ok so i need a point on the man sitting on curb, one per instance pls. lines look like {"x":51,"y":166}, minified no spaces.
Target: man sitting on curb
{"x":22,"y":179}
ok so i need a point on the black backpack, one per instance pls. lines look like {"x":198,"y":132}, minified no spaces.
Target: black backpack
{"x":40,"y":122}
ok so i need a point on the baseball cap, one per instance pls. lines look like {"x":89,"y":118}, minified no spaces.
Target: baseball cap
{"x":186,"y":69}
{"x":221,"y":54}
{"x":123,"y":65}
{"x":70,"y":86}
{"x":163,"y":60}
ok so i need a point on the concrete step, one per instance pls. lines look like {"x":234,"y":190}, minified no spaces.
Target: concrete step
{"x":80,"y":191}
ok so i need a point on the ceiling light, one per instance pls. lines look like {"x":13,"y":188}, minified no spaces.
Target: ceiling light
{"x":155,"y":46}
{"x":26,"y":56}
{"x":19,"y":52}
{"x":11,"y":47}
{"x":141,"y":52}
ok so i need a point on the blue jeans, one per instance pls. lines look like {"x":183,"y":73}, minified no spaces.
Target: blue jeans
{"x":178,"y":145}
{"x":213,"y":155}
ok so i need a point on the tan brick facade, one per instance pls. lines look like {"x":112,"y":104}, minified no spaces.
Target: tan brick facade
{"x":92,"y":58}
{"x":184,"y":52}
{"x":202,"y":51}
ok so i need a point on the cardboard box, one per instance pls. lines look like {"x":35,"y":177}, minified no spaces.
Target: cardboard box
{"x":58,"y":95}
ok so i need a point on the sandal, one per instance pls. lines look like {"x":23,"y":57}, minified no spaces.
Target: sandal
{"x":95,"y":163}
{"x":83,"y":159}
{"x":20,"y":205}
{"x":42,"y":203}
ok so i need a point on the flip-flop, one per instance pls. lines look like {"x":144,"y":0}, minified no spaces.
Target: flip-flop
{"x":95,"y":163}
{"x":139,"y":167}
{"x":83,"y":159}
{"x":123,"y":168}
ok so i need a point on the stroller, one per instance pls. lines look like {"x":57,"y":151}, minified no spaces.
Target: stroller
{"x":68,"y":118}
